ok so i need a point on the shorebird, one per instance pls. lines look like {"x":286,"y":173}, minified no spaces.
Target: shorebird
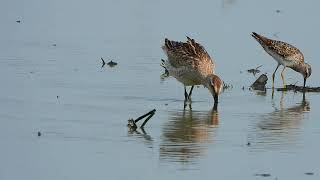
{"x":191,"y":65}
{"x":286,"y":55}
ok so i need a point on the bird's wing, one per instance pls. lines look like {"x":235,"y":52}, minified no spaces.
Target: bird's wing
{"x":188,"y":53}
{"x":283,"y":49}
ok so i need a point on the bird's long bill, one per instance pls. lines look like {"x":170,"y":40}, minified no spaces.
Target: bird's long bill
{"x":304,"y":82}
{"x":215,"y":97}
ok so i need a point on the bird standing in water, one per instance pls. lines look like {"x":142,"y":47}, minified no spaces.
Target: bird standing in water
{"x":191,"y":65}
{"x":286,"y":55}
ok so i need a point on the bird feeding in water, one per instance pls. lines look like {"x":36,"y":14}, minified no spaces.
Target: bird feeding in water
{"x":286,"y":55}
{"x":191,"y":65}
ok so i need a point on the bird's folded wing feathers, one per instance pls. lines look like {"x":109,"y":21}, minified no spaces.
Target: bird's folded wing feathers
{"x":188,"y":53}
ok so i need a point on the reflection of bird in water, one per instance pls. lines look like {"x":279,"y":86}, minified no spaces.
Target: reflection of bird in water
{"x":280,"y":127}
{"x":191,"y":65}
{"x":186,"y":134}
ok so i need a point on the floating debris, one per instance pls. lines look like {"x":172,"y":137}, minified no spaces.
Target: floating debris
{"x":112,"y":64}
{"x":254,"y":71}
{"x":39,"y":133}
{"x":227,"y":86}
{"x":278,"y":11}
{"x":54,"y":44}
{"x":260,"y":83}
{"x":18,"y":21}
{"x":57,"y":97}
{"x":103,"y":63}
{"x":263,"y":175}
{"x":248,"y":144}
{"x":132,"y":124}
{"x":293,"y":87}
{"x":309,"y":173}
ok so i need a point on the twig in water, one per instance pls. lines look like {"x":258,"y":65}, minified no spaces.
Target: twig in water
{"x":132,"y":123}
{"x":103,"y":63}
{"x":254,"y":71}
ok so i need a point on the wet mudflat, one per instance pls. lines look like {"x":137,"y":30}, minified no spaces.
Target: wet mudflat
{"x":63,"y":116}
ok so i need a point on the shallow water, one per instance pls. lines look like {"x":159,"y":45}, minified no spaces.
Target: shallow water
{"x":52,"y":82}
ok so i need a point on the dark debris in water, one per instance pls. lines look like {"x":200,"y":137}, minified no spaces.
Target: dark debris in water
{"x":39,"y":133}
{"x":18,"y":21}
{"x":260,"y":83}
{"x":254,"y":71}
{"x":110,"y":63}
{"x":103,"y":62}
{"x":227,"y":86}
{"x":293,"y":87}
{"x":132,"y":124}
{"x":309,"y":173}
{"x":263,"y":174}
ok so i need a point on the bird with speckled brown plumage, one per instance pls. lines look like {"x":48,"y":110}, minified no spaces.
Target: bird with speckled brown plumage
{"x":286,"y":55}
{"x":191,"y":65}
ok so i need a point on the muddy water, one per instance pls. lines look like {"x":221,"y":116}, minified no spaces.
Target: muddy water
{"x":52,"y":82}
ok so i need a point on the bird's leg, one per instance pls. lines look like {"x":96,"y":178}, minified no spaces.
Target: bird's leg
{"x":185,"y":97}
{"x":185,"y":94}
{"x":282,"y":76}
{"x":273,"y":75}
{"x":272,"y":95}
{"x":190,"y":93}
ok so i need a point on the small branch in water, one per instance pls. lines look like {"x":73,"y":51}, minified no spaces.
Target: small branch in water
{"x":254,"y":71}
{"x":103,"y":63}
{"x":110,"y":63}
{"x":132,"y":123}
{"x":150,"y":116}
{"x":293,"y":87}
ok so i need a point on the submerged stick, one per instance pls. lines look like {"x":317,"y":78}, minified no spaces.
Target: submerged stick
{"x":292,"y":87}
{"x":254,"y":71}
{"x":150,"y":116}
{"x":103,"y":62}
{"x":132,"y":123}
{"x":143,"y":116}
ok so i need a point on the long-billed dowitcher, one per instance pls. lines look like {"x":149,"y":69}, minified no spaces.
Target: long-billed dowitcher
{"x":286,"y":55}
{"x":190,"y":64}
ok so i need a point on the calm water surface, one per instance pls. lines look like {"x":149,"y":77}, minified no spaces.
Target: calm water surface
{"x":52,"y":81}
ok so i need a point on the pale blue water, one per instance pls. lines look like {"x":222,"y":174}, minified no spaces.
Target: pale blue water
{"x":84,"y":133}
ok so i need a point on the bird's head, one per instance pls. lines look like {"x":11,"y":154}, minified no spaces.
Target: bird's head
{"x":306,"y":73}
{"x":305,"y":70}
{"x":215,"y":85}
